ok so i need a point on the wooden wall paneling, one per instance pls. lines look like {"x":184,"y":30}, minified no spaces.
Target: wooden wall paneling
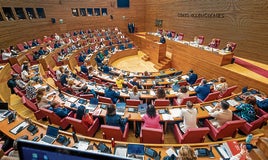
{"x":244,"y":22}
{"x":5,"y":75}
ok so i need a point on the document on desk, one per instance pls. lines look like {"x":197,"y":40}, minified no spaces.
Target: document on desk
{"x":222,"y":152}
{"x":19,"y":127}
{"x":208,"y":108}
{"x":176,"y":112}
{"x":152,"y":93}
{"x":170,"y":151}
{"x":72,"y":99}
{"x":167,"y":117}
{"x":184,"y":76}
{"x":232,"y":102}
{"x":82,"y":145}
{"x":258,"y":98}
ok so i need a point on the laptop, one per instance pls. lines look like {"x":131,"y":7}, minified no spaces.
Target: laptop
{"x":120,"y":108}
{"x":51,"y":135}
{"x":142,"y":108}
{"x":4,"y":112}
{"x":135,"y":151}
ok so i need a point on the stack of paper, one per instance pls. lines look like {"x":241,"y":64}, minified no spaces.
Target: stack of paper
{"x":176,"y":112}
{"x":167,"y":117}
{"x":232,"y":102}
{"x":72,"y":99}
{"x":208,"y":108}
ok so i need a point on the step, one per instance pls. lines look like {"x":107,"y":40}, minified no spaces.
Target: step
{"x":257,"y":154}
{"x":166,"y":59}
{"x":262,"y":144}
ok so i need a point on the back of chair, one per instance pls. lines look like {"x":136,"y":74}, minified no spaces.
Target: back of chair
{"x":77,"y":125}
{"x":151,"y":135}
{"x":195,"y":135}
{"x":20,"y":47}
{"x":228,"y":92}
{"x":18,"y":92}
{"x":133,"y":102}
{"x":161,"y":102}
{"x":52,"y":116}
{"x":29,"y":104}
{"x":193,"y":99}
{"x":183,"y":83}
{"x":248,"y":127}
{"x":212,"y":96}
{"x":110,"y":132}
{"x":181,"y":36}
{"x":105,"y":100}
{"x":229,"y":129}
{"x":16,"y":67}
{"x":199,"y":80}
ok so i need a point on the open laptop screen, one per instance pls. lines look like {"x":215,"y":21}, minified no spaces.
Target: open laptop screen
{"x":142,"y":107}
{"x":4,"y":106}
{"x":32,"y":150}
{"x":121,"y":105}
{"x":52,"y":131}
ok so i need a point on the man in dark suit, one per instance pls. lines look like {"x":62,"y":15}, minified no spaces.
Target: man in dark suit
{"x":192,"y":77}
{"x":202,"y":90}
{"x":162,"y":39}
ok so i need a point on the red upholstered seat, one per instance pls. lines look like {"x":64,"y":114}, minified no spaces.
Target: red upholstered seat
{"x":55,"y":119}
{"x":199,"y":80}
{"x":86,"y":96}
{"x":193,"y":99}
{"x":229,"y":129}
{"x":212,"y":96}
{"x":115,"y":132}
{"x":133,"y":102}
{"x":58,"y":63}
{"x":258,"y":123}
{"x":192,"y":135}
{"x":228,"y":92}
{"x":161,"y":102}
{"x":151,"y":135}
{"x":81,"y":128}
{"x":181,"y":36}
{"x":30,"y":58}
{"x":20,"y":47}
{"x":183,"y":83}
{"x":18,"y":92}
{"x":17,"y":68}
{"x":30,"y":105}
{"x":105,"y":100}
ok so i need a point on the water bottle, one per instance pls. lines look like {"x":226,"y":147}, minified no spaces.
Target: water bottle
{"x":249,"y":138}
{"x":113,"y":142}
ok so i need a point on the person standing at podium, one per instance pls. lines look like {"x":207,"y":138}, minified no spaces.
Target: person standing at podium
{"x":162,"y":39}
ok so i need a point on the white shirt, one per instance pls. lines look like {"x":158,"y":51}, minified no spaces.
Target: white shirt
{"x":189,"y":118}
{"x":132,"y":96}
{"x":6,"y":55}
{"x":58,"y":74}
{"x":24,"y":75}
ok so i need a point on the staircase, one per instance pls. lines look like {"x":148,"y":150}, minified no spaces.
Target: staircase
{"x":145,"y":57}
{"x":260,"y":153}
{"x":163,"y":64}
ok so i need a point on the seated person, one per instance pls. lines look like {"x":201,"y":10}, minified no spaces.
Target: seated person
{"x":84,"y":68}
{"x":85,"y":117}
{"x":59,"y":72}
{"x":25,"y":74}
{"x":59,"y":110}
{"x":11,"y":83}
{"x":36,"y":55}
{"x":183,"y":93}
{"x":49,"y":48}
{"x":135,"y":94}
{"x":202,"y":90}
{"x":189,"y":115}
{"x":98,"y":60}
{"x":110,"y":93}
{"x":134,"y":82}
{"x":31,"y":91}
{"x":42,"y":51}
{"x":77,"y":87}
{"x":119,"y":81}
{"x":186,"y":153}
{"x":221,"y":114}
{"x":19,"y":83}
{"x":160,"y":93}
{"x":213,"y":43}
{"x":26,"y":46}
{"x":82,"y":57}
{"x":42,"y":100}
{"x":221,"y":86}
{"x":196,"y":40}
{"x":113,"y":119}
{"x":228,"y":48}
{"x":106,"y":69}
{"x":64,"y":78}
{"x":57,"y":44}
{"x":175,"y":86}
{"x":34,"y":43}
{"x":263,"y":104}
{"x":247,"y":110}
{"x":151,"y":119}
{"x":5,"y":55}
{"x":13,"y":51}
{"x":192,"y":77}
{"x":60,"y":57}
{"x":162,"y":40}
